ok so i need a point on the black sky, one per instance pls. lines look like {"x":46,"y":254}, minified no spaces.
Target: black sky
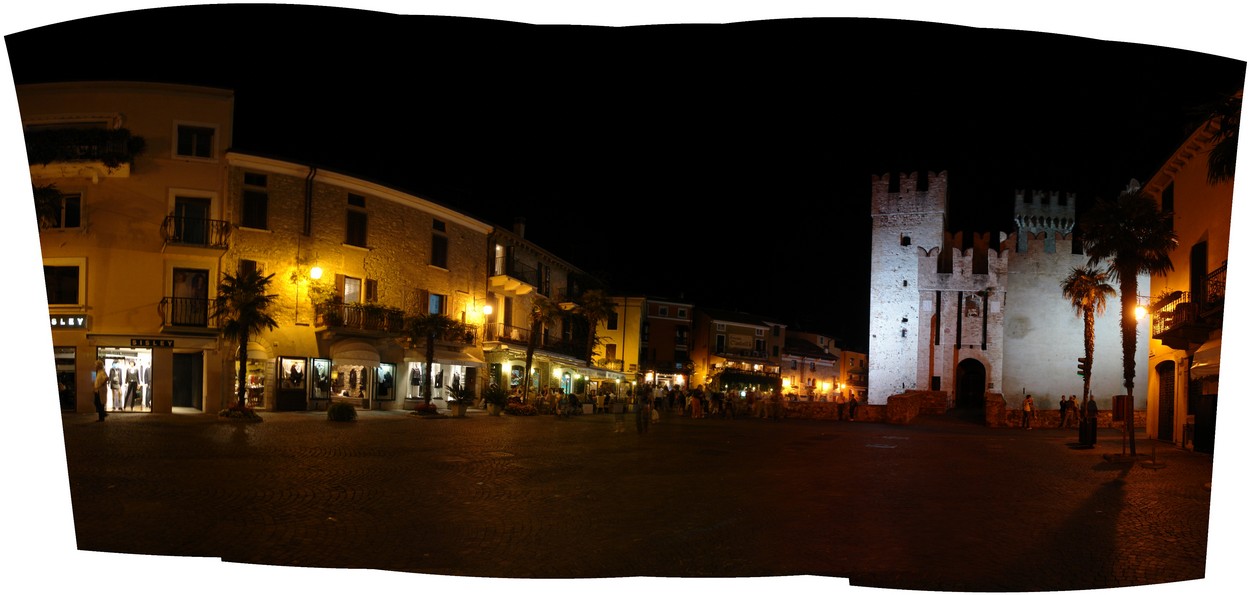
{"x":726,"y":164}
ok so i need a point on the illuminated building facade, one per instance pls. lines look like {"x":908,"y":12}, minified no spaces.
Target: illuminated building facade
{"x":810,"y":367}
{"x":1187,"y":307}
{"x":736,"y":351}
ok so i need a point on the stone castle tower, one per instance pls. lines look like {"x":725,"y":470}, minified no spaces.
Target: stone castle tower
{"x":982,"y":320}
{"x":908,"y":218}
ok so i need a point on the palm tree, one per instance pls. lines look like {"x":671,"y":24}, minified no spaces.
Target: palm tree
{"x":243,"y":307}
{"x":1134,"y":236}
{"x":47,"y":205}
{"x":429,"y":327}
{"x":543,"y":311}
{"x":1088,"y":289}
{"x":1222,"y":159}
{"x":595,"y":306}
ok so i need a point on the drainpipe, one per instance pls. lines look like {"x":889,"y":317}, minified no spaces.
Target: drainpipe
{"x":308,"y":199}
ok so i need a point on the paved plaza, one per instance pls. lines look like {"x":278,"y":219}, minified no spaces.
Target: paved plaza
{"x":940,"y":504}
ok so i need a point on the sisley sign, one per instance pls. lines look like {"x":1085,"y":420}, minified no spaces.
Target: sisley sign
{"x":68,"y":322}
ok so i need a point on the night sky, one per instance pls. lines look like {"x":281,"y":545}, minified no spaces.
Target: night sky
{"x":724,"y":164}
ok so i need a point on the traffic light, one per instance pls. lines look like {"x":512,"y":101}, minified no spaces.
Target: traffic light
{"x":1082,"y":366}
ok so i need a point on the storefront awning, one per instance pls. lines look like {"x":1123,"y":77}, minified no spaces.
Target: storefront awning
{"x":354,"y":352}
{"x":1206,"y":361}
{"x":446,"y":356}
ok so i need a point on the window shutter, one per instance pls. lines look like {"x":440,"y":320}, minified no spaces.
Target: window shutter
{"x":424,"y":297}
{"x":371,"y":290}
{"x":338,"y":284}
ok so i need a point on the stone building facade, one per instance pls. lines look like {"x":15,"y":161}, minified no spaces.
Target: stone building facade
{"x":981,"y":320}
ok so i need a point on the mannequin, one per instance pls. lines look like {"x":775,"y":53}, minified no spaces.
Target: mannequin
{"x":115,"y":387}
{"x":132,"y":384}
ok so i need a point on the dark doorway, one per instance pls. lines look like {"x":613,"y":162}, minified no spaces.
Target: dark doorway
{"x":1204,"y":424}
{"x":970,"y":385}
{"x":1167,"y":399}
{"x":189,"y":380}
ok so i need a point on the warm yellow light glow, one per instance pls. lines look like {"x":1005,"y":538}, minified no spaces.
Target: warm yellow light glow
{"x":650,"y":377}
{"x":555,"y":372}
{"x":1141,"y":312}
{"x":826,"y":386}
{"x":785,"y":383}
{"x":314,"y":273}
{"x":486,"y":310}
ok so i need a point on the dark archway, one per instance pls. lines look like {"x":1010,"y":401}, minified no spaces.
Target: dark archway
{"x":970,"y":385}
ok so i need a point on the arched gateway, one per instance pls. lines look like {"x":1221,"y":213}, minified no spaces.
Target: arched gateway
{"x":970,"y":384}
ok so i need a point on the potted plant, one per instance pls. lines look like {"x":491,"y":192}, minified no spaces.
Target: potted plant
{"x":459,"y":395}
{"x":496,"y":399}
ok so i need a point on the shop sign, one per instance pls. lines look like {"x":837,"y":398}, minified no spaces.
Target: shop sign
{"x":151,"y":342}
{"x":67,"y":322}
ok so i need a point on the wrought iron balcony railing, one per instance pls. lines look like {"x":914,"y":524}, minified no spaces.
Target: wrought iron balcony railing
{"x":360,"y":317}
{"x":196,"y":231}
{"x":520,"y":336}
{"x":185,"y":312}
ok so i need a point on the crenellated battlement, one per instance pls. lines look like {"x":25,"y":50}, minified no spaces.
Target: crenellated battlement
{"x":907,"y":198}
{"x":959,"y":268}
{"x":1045,"y":211}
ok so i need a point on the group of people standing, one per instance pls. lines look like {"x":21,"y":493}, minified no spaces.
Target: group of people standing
{"x":1084,"y":415}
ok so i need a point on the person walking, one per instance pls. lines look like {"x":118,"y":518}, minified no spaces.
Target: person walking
{"x":100,"y":383}
{"x":852,"y":405}
{"x":1063,"y":411}
{"x":1026,"y":413}
{"x":841,"y":400}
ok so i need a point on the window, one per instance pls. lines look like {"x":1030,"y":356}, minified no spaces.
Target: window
{"x":195,"y":141}
{"x":681,"y":313}
{"x":188,"y":305}
{"x":350,"y":290}
{"x":794,"y":364}
{"x":905,"y":241}
{"x":68,"y":211}
{"x":62,"y":284}
{"x":663,"y":310}
{"x":438,"y":303}
{"x":438,"y":248}
{"x":720,"y":343}
{"x":255,"y":201}
{"x":191,"y":220}
{"x":812,"y":367}
{"x":247,"y":267}
{"x":612,"y":321}
{"x":357,"y":221}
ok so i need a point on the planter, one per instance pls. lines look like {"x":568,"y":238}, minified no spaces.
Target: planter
{"x":493,"y":409}
{"x":458,"y":409}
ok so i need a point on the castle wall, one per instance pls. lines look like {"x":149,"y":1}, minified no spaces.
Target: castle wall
{"x":1043,"y":335}
{"x":906,"y":223}
{"x":961,"y":316}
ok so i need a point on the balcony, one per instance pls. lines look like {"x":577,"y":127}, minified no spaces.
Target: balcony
{"x":362,"y":320}
{"x":1179,"y":321}
{"x":187,"y":316}
{"x":193,"y":235}
{"x":516,"y":278}
{"x":81,"y":152}
{"x":520,"y":336}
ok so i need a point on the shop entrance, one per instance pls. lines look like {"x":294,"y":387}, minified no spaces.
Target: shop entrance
{"x":189,"y":380}
{"x":129,"y":371}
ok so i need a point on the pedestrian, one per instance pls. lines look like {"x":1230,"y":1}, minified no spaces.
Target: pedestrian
{"x":642,"y":414}
{"x":1091,"y":417}
{"x":1063,"y":410}
{"x":852,"y":405}
{"x":101,"y":382}
{"x":696,"y":403}
{"x":1026,"y":413}
{"x":1071,"y":410}
{"x":841,"y":406}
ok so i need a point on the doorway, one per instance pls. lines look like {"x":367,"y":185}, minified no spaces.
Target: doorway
{"x":1167,"y":399}
{"x":970,"y":385}
{"x":189,"y":380}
